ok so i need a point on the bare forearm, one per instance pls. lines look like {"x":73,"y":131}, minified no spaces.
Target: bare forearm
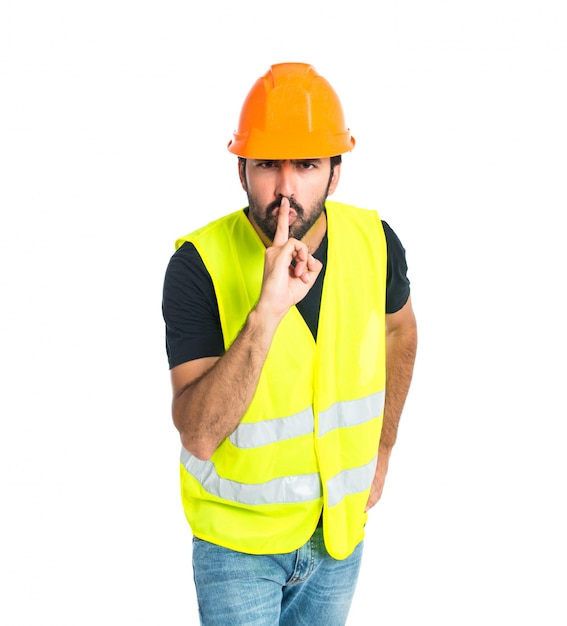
{"x":401,"y":349}
{"x":207,"y":410}
{"x":401,"y":345}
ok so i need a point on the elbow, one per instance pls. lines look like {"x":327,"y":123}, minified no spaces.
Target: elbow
{"x":194,"y":442}
{"x":190,"y":440}
{"x":199,"y":449}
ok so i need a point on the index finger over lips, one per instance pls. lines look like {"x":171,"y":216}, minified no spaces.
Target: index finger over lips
{"x":282,"y":230}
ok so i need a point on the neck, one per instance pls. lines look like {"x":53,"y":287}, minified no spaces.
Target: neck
{"x":314,"y":236}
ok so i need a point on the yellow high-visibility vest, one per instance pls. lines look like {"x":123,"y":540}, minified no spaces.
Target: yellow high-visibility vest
{"x":309,"y":439}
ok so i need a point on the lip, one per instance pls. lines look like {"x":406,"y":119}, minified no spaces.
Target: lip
{"x":292,"y":214}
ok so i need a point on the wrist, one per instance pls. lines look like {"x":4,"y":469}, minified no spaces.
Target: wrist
{"x":262,"y":324}
{"x":264,"y":319}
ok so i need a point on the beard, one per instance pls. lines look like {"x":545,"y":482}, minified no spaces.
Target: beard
{"x":267,"y":221}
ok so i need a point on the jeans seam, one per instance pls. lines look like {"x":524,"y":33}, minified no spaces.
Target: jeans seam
{"x":294,"y":579}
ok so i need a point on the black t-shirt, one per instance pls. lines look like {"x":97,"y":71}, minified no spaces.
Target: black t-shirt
{"x":190,"y":309}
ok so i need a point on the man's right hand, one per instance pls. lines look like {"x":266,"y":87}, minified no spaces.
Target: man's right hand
{"x":289,"y":270}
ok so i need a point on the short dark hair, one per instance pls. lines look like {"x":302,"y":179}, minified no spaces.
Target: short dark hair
{"x":336,"y":160}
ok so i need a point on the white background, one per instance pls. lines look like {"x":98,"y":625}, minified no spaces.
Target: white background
{"x":114,"y":120}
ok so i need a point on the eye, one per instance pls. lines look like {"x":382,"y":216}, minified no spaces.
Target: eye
{"x":266,"y":164}
{"x":307,"y":165}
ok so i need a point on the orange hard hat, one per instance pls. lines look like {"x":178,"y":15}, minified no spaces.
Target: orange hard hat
{"x":291,"y":113}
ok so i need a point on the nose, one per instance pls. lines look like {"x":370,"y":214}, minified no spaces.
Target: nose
{"x":285,"y":184}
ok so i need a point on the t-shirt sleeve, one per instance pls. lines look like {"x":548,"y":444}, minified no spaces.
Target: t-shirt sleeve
{"x":190,"y":310}
{"x":397,"y":281}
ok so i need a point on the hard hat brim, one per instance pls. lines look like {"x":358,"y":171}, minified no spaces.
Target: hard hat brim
{"x":259,"y":145}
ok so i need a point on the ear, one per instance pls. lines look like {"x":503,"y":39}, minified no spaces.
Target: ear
{"x":335,"y":179}
{"x":242,"y":174}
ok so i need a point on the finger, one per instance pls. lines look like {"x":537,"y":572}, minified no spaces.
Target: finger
{"x":300,"y":257}
{"x":312,"y":269}
{"x":313,"y":264}
{"x":282,"y":229}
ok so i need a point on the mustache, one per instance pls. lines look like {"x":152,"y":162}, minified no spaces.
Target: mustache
{"x":292,"y":203}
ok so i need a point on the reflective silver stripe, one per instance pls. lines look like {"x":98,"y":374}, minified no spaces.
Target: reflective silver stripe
{"x":288,"y":489}
{"x":351,"y":412}
{"x":255,"y":434}
{"x":350,"y":481}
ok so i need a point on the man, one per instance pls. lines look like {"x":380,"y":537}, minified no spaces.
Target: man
{"x":291,"y":341}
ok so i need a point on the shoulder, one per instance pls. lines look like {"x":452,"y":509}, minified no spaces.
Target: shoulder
{"x":185,"y":269}
{"x":186,"y":255}
{"x":211,"y":230}
{"x":392,"y":240}
{"x":398,"y":283}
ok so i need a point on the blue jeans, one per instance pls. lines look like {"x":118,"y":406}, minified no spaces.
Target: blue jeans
{"x":306,"y":587}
